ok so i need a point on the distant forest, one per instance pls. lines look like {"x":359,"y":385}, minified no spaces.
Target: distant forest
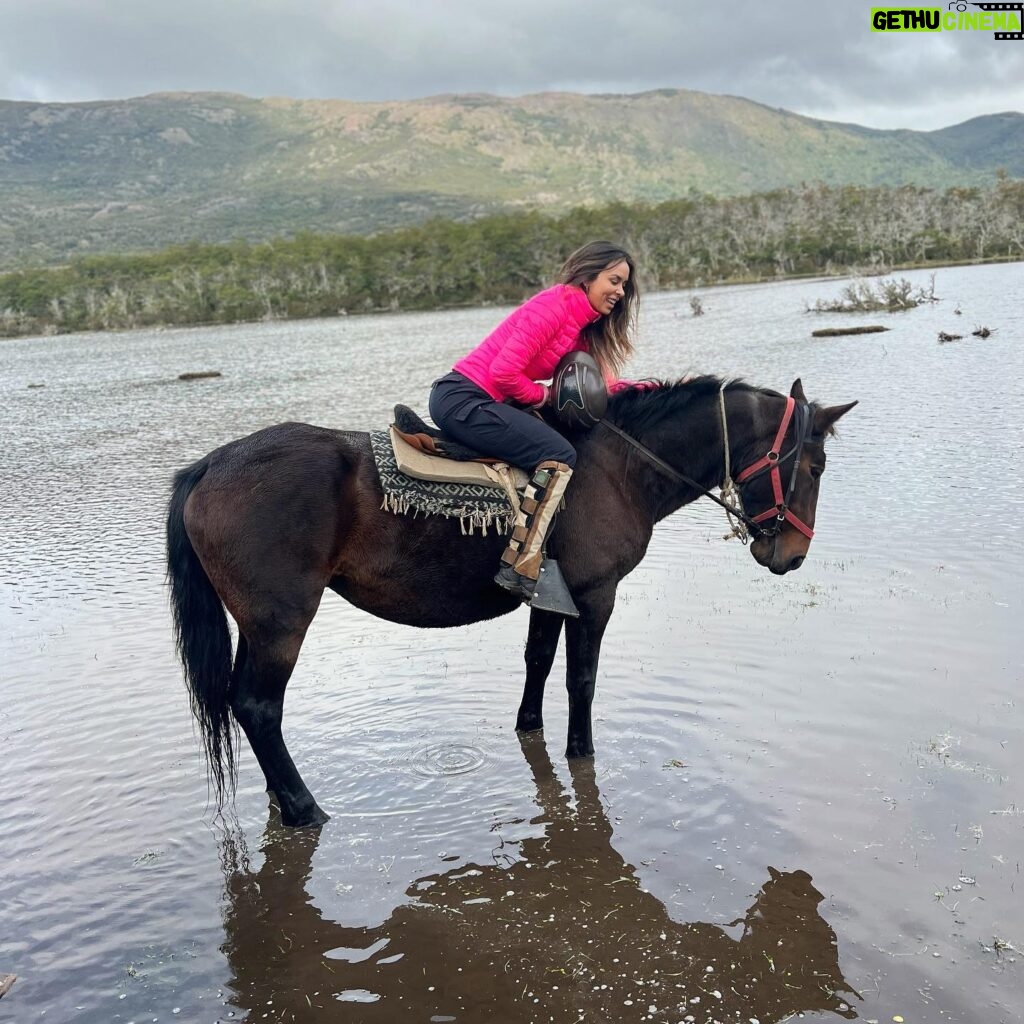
{"x":691,"y":242}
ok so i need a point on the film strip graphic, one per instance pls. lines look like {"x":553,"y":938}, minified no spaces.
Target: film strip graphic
{"x":1018,"y":7}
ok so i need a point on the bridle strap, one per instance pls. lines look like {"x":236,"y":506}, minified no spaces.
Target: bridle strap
{"x":772,"y":458}
{"x":770,"y":463}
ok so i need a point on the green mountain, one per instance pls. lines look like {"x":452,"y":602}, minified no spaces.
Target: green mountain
{"x":172,"y":168}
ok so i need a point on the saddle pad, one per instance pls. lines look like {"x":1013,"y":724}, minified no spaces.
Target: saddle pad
{"x":483,"y":502}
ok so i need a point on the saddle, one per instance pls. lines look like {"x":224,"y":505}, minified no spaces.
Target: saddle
{"x":424,"y":453}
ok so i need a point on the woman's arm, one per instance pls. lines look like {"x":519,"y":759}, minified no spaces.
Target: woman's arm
{"x":528,"y":331}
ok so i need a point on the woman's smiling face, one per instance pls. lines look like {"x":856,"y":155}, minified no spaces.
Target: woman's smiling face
{"x":608,"y":288}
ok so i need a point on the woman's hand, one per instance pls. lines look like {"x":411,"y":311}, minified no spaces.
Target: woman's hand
{"x":548,"y":398}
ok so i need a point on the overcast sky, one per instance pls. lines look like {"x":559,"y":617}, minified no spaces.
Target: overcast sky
{"x":816,"y":58}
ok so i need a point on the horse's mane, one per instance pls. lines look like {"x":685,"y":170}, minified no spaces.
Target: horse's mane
{"x":637,"y":409}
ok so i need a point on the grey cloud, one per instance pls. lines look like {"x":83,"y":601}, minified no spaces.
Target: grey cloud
{"x":819,"y":59}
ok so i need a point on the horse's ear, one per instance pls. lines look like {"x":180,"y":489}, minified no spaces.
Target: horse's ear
{"x":825,"y":418}
{"x":797,"y":391}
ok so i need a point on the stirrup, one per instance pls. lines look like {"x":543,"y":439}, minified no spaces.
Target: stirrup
{"x":548,"y":593}
{"x":551,"y":594}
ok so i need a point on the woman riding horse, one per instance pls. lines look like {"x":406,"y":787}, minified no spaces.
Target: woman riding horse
{"x":591,"y":309}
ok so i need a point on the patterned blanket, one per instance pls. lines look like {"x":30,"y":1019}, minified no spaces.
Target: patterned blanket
{"x":475,"y":507}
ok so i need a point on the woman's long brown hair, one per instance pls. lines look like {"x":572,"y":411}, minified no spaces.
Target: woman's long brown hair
{"x":609,"y":339}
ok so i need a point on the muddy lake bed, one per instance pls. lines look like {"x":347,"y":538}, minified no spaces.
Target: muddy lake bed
{"x":808,"y":794}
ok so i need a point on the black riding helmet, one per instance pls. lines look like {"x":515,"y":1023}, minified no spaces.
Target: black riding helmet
{"x":580,"y":397}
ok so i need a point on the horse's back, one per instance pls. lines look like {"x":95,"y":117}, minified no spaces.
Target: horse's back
{"x":287,"y":444}
{"x":273,"y":509}
{"x":297,"y":508}
{"x":288,"y":463}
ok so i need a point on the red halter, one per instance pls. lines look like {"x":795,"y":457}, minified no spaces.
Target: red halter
{"x":770,"y":463}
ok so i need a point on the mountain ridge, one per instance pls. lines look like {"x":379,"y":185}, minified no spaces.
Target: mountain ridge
{"x":166,"y":168}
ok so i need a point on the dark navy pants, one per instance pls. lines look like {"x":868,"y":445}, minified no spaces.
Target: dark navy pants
{"x":467,"y":414}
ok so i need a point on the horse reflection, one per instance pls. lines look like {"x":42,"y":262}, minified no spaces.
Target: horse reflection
{"x":566,"y":933}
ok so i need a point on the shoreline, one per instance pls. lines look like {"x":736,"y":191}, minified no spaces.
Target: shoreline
{"x":850,"y":272}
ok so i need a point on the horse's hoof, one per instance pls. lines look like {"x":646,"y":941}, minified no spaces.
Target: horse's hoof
{"x":530,"y":725}
{"x":574,"y":752}
{"x":312,"y":818}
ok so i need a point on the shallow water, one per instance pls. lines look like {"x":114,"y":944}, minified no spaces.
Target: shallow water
{"x":813,"y":786}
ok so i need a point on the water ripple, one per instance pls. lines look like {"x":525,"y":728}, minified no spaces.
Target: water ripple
{"x":448,"y":759}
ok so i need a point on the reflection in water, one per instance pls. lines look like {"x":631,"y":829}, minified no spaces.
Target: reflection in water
{"x":564,"y":933}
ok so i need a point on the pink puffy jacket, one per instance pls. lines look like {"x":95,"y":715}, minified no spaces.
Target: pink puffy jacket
{"x":527,"y":345}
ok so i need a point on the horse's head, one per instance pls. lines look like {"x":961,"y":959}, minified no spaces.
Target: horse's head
{"x":780,"y":490}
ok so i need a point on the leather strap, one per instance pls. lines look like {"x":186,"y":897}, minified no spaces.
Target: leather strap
{"x":679,"y":477}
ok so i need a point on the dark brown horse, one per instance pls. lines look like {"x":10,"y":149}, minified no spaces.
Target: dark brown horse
{"x":263,"y":525}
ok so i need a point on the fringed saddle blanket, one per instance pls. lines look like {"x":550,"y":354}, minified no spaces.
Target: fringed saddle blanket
{"x":475,"y":506}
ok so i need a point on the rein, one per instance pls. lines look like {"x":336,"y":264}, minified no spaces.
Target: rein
{"x":681,"y":477}
{"x":768,"y":463}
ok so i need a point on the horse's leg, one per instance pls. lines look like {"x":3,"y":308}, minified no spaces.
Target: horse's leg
{"x":241,"y":655}
{"x":583,"y":646}
{"x":257,"y":700}
{"x":541,"y":645}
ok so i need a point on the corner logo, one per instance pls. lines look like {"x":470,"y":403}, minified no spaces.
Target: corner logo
{"x":1003,"y":20}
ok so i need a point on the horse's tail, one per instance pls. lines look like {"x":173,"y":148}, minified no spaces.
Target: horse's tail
{"x":202,"y":638}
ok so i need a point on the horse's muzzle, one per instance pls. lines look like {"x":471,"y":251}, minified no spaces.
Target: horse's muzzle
{"x":778,"y":556}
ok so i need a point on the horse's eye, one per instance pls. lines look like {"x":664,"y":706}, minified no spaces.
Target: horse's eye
{"x":816,"y":471}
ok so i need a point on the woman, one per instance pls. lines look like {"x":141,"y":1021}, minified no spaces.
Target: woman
{"x":593,"y":309}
